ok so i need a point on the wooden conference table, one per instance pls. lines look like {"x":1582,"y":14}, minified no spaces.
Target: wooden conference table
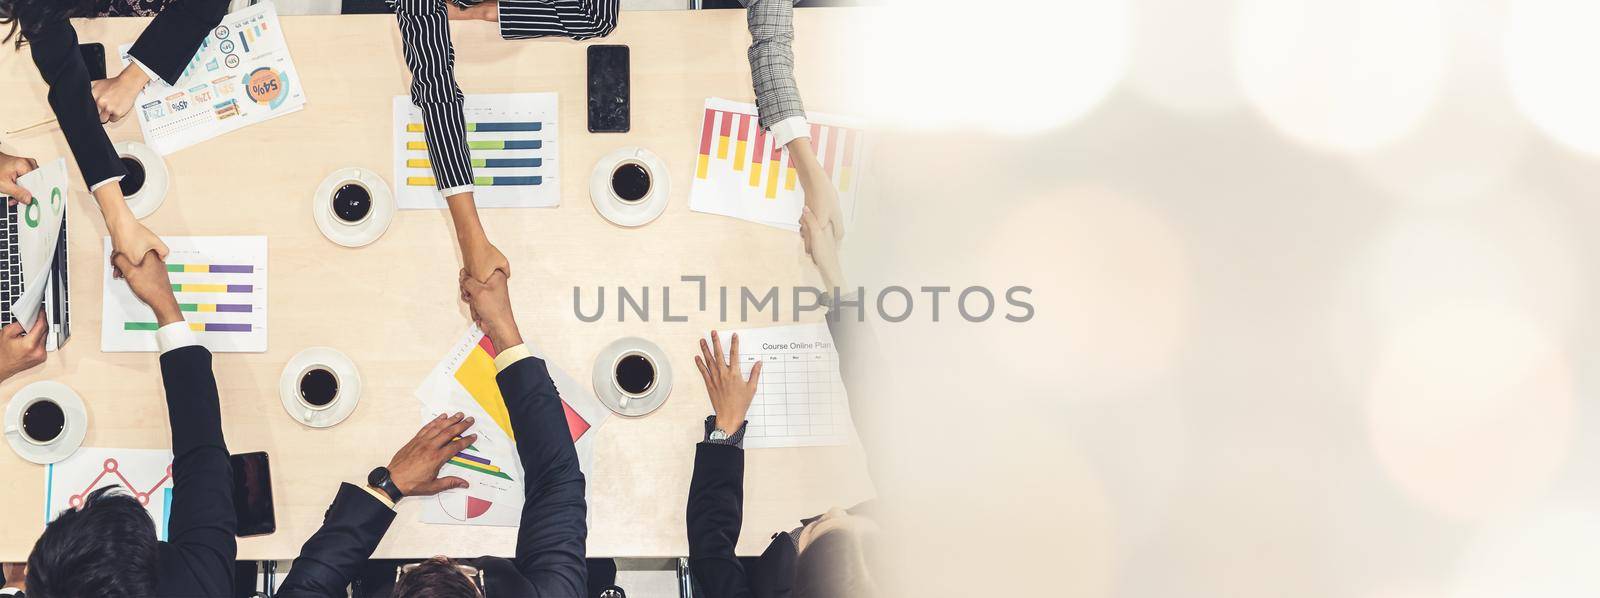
{"x":393,"y":306}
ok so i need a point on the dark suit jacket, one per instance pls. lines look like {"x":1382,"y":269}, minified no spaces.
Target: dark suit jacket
{"x":550,"y":539}
{"x":197,"y":558}
{"x":166,"y":46}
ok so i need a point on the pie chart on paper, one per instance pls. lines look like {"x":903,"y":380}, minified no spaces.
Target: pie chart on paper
{"x":463,"y":506}
{"x":487,"y":482}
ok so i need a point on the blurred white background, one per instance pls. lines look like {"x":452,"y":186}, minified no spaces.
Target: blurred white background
{"x":1314,"y":290}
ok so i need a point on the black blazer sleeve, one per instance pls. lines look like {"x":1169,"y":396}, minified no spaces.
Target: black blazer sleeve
{"x":172,"y":38}
{"x":55,"y":52}
{"x":715,"y":514}
{"x":551,"y":536}
{"x":350,"y":531}
{"x":201,"y":526}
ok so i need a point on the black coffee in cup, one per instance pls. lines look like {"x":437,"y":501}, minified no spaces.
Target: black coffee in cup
{"x":352,"y":202}
{"x":134,"y":181}
{"x":635,"y":374}
{"x":43,"y":421}
{"x":318,"y":387}
{"x":631,"y":182}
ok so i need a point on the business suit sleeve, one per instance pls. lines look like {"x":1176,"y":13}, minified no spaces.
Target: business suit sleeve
{"x":425,"y":36}
{"x":715,"y":515}
{"x":577,"y":19}
{"x":55,"y":52}
{"x":351,"y":530}
{"x":551,"y":536}
{"x":771,"y":55}
{"x":172,"y":38}
{"x":201,"y":524}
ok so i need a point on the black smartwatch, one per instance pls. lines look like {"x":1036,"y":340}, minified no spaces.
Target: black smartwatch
{"x":379,"y":478}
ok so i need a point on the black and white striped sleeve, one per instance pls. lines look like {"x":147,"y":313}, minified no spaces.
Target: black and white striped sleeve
{"x":772,"y":69}
{"x":577,"y":19}
{"x":425,"y":32}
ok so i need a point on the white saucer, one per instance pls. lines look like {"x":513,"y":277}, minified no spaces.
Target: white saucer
{"x":608,"y":393}
{"x":154,"y":191}
{"x":77,"y":422}
{"x":344,"y":403}
{"x":361,"y":233}
{"x":630,"y":214}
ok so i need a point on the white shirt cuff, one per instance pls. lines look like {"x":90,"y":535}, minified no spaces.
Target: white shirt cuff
{"x":97,"y":186}
{"x":379,"y":494}
{"x":176,"y":335}
{"x":510,"y":356}
{"x":10,"y":591}
{"x":455,"y":190}
{"x":153,"y":76}
{"x":790,"y":129}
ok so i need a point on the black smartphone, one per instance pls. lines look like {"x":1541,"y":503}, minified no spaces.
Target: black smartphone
{"x":608,"y":89}
{"x":94,"y":57}
{"x":252,"y":494}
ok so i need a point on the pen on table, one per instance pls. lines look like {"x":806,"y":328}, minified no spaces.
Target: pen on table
{"x":32,"y":126}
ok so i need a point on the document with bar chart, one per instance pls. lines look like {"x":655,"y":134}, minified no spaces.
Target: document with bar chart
{"x":741,"y":172}
{"x":514,"y":151}
{"x":464,"y":381}
{"x":221,"y":286}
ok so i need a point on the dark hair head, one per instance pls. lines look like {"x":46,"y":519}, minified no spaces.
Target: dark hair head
{"x":107,"y":547}
{"x":27,"y":16}
{"x":437,"y":577}
{"x":834,"y":565}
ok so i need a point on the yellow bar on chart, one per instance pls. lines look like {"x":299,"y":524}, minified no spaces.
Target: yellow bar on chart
{"x":418,"y":163}
{"x":738,"y":155}
{"x":700,"y":170}
{"x":421,"y":181}
{"x":722,"y":148}
{"x":755,"y":174}
{"x":788,"y":180}
{"x":414,"y":128}
{"x":772,"y":181}
{"x":844,"y":179}
{"x":416,"y":145}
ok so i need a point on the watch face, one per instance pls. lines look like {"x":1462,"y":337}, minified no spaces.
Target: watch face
{"x":378,"y":477}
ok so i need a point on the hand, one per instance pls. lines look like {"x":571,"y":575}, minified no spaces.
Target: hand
{"x":114,"y":97}
{"x":415,"y":468}
{"x":491,"y":309}
{"x":820,"y":194}
{"x":483,"y":11}
{"x":12,"y":167}
{"x":149,"y":282}
{"x":132,"y":239}
{"x":482,"y":259}
{"x":823,"y":249}
{"x":18,"y":352}
{"x":16,"y":575}
{"x":730,"y":392}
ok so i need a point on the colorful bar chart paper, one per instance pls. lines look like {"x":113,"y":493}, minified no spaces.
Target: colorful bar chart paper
{"x":764,"y":187}
{"x":511,"y":144}
{"x":221,"y":287}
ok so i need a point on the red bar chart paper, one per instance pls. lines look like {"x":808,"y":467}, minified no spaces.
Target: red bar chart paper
{"x":221,"y":287}
{"x":740,"y":171}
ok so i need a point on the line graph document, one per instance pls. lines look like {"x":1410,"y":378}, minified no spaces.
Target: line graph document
{"x":146,"y":474}
{"x":800,"y":398}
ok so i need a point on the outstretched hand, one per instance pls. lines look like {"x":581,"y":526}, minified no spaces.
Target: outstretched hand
{"x":415,"y":468}
{"x":19,"y":351}
{"x":730,"y":392}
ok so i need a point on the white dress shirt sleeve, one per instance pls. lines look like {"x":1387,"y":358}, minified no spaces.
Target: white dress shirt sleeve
{"x":176,"y":335}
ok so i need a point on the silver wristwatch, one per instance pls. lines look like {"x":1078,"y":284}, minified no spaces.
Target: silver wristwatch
{"x":718,"y":435}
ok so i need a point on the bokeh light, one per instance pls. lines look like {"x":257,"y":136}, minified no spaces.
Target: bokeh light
{"x":1182,"y":54}
{"x":1346,"y":76}
{"x":1470,"y":412}
{"x":1550,"y":47}
{"x":1547,"y":555}
{"x":1027,"y":67}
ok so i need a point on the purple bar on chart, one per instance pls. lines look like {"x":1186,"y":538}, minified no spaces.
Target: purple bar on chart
{"x":235,"y":307}
{"x":225,"y":269}
{"x":239,"y":288}
{"x":222,"y":327}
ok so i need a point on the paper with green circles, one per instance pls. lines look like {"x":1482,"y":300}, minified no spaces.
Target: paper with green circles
{"x":38,"y":228}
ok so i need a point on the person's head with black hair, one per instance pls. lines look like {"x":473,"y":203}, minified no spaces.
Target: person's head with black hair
{"x":106,"y":548}
{"x":26,"y":16}
{"x":438,"y":577}
{"x":833,"y":560}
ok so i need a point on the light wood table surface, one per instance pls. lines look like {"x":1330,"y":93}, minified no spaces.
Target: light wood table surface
{"x":393,"y":306}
